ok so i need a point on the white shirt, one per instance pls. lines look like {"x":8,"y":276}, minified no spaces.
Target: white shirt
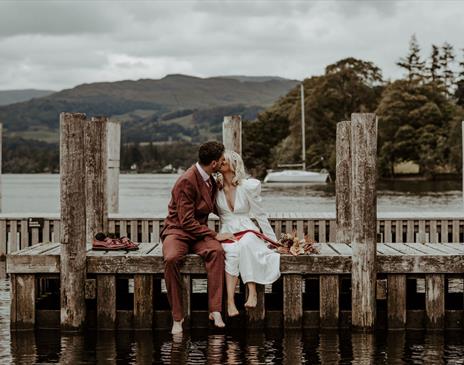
{"x":203,"y":173}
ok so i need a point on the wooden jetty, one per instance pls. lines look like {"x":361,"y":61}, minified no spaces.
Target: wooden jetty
{"x":124,"y":289}
{"x":385,"y":271}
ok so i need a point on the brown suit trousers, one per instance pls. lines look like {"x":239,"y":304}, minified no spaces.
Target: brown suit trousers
{"x":174,"y":250}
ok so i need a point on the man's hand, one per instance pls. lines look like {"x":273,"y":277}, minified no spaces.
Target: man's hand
{"x":225,"y":236}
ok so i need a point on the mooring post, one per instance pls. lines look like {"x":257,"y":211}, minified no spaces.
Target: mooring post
{"x":96,"y":177}
{"x":72,"y":232}
{"x":232,"y":133}
{"x":364,"y":219}
{"x":343,"y":182}
{"x":114,"y":153}
{"x":462,"y":138}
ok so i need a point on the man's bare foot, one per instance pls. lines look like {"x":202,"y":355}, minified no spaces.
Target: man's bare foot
{"x":251,"y":301}
{"x":217,"y":318}
{"x":177,"y":327}
{"x":232,"y":310}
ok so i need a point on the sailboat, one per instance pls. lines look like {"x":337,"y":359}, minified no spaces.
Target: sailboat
{"x":298,"y":176}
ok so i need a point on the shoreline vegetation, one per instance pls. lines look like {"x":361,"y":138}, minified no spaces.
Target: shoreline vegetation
{"x":419,"y":117}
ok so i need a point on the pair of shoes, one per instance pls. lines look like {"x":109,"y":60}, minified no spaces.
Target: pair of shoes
{"x":106,"y":243}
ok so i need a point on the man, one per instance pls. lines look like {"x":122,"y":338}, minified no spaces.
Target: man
{"x":186,"y":230}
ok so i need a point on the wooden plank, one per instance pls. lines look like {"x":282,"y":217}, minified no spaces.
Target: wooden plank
{"x":46,"y":231}
{"x":122,"y":228}
{"x":145,"y":232}
{"x":13,"y":241}
{"x":396,"y":301}
{"x":106,"y":302}
{"x":187,"y":299}
{"x":412,"y":264}
{"x":444,"y":231}
{"x":256,"y":316}
{"x":421,"y":235}
{"x":456,"y":246}
{"x":39,"y":249}
{"x":35,"y":236}
{"x":404,"y":248}
{"x":332,"y":231}
{"x":443,"y":248}
{"x":387,"y":231}
{"x":293,"y":300}
{"x":342,"y":248}
{"x":322,"y":231}
{"x":410,"y":231}
{"x":23,"y":294}
{"x":433,"y":231}
{"x":435,"y":300}
{"x":24,"y":234}
{"x":326,"y":249}
{"x":329,"y":301}
{"x":300,"y":228}
{"x":426,"y":249}
{"x":278,"y":228}
{"x":56,"y":231}
{"x":143,"y":302}
{"x":383,"y":249}
{"x":288,"y":226}
{"x":111,"y":226}
{"x":3,"y":238}
{"x":456,"y":231}
{"x":311,"y":230}
{"x":399,"y":231}
{"x":134,"y":230}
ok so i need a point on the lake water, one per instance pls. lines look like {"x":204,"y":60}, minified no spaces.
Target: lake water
{"x":226,"y":347}
{"x":150,"y":193}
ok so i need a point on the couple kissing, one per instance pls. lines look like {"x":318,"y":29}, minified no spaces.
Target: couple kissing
{"x":236,"y":200}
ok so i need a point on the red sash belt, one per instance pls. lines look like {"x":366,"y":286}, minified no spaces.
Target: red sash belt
{"x":239,"y":235}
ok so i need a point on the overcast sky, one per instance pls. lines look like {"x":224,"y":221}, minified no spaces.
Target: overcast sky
{"x":60,"y":44}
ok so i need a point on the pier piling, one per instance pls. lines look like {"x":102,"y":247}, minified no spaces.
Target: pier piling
{"x":232,"y":133}
{"x":73,"y":221}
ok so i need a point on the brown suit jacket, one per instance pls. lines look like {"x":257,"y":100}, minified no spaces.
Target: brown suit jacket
{"x":189,"y":208}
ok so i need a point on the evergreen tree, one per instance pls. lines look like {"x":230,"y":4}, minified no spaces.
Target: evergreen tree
{"x":433,"y":69}
{"x":413,"y":63}
{"x":459,"y":93}
{"x":446,"y":60}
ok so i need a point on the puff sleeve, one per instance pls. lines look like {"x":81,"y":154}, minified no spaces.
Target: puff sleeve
{"x":252,"y":188}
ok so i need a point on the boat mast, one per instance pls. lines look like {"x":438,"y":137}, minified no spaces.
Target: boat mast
{"x":303,"y":142}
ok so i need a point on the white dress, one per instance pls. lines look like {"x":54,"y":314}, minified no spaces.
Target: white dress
{"x":250,"y":257}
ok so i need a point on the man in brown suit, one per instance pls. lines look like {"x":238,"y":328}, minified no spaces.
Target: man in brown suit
{"x":186,"y":230}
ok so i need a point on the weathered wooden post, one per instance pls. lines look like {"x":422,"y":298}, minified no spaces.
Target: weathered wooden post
{"x":364,"y":219}
{"x":232,"y":133}
{"x":96,"y":177}
{"x":72,"y":233}
{"x":1,"y":162}
{"x":114,"y":147}
{"x":462,"y":137}
{"x":343,"y":182}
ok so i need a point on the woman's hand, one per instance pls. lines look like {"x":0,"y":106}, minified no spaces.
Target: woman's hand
{"x":225,"y":236}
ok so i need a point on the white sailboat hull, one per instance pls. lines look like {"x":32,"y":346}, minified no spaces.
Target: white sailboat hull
{"x":296,"y":176}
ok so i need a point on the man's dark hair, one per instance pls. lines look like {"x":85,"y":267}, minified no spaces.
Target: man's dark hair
{"x":209,"y":152}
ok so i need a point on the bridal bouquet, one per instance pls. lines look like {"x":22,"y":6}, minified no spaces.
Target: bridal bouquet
{"x":290,"y":243}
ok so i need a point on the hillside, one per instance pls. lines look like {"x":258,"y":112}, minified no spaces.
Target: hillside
{"x":147,"y":106}
{"x":17,"y":96}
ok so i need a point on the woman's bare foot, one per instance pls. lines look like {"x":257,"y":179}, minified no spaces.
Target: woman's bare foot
{"x":177,"y":327}
{"x":232,"y":310}
{"x":251,"y":301}
{"x":217,"y":318}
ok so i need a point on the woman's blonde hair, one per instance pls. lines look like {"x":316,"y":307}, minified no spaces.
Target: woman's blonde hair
{"x":236,"y":165}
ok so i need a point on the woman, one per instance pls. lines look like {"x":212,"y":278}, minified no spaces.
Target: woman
{"x":237,"y":201}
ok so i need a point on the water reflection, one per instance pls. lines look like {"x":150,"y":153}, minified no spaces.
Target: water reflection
{"x":256,"y":347}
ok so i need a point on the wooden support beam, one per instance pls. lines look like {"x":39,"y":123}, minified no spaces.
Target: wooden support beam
{"x":435,"y":301}
{"x":23,"y":295}
{"x":329,"y":297}
{"x":72,"y":236}
{"x":187,"y":299}
{"x":96,"y":177}
{"x":256,"y":316}
{"x":232,"y":133}
{"x":106,"y":302}
{"x":143,"y":302}
{"x":293,"y":300}
{"x":396,"y":301}
{"x":343,"y":182}
{"x":114,"y":156}
{"x":364,"y":219}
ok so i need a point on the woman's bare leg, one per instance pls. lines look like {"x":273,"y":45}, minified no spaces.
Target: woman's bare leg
{"x":252,"y":295}
{"x":231,"y":283}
